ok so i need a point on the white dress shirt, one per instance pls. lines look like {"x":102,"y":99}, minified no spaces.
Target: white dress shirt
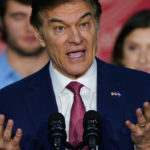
{"x":64,"y":97}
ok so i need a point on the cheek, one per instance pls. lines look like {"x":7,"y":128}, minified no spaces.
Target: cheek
{"x":55,"y":44}
{"x":130,"y":56}
{"x":55,"y":40}
{"x":148,"y":53}
{"x":91,"y":39}
{"x":20,"y":25}
{"x":13,"y":32}
{"x":54,"y":49}
{"x":11,"y":28}
{"x":127,"y":57}
{"x":17,"y":32}
{"x":148,"y":57}
{"x":130,"y":60}
{"x":93,"y":43}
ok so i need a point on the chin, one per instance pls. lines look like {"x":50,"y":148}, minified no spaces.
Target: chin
{"x":76,"y":73}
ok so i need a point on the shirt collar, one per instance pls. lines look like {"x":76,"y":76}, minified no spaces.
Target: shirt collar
{"x":60,"y":81}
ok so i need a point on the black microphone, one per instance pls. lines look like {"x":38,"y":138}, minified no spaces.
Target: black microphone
{"x":56,"y":131}
{"x":92,"y":129}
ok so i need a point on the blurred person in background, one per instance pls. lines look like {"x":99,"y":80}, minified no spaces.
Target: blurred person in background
{"x":132,"y":47}
{"x":23,"y":55}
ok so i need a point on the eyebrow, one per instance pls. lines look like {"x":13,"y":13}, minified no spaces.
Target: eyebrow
{"x":61,"y":21}
{"x":85,"y":15}
{"x":17,"y":14}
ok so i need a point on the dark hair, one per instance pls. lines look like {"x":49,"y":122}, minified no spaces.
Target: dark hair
{"x":139,"y":20}
{"x":3,"y":8}
{"x":3,"y":5}
{"x":39,"y":5}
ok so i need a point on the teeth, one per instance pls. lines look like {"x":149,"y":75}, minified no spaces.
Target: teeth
{"x":75,"y":55}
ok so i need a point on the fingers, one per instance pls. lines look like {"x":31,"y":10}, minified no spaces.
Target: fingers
{"x":140,"y":117}
{"x":131,"y":126}
{"x":2,"y":119}
{"x":17,"y":137}
{"x":143,"y":119}
{"x":6,"y":142}
{"x":147,"y":111}
{"x":140,"y":132}
{"x":8,"y":130}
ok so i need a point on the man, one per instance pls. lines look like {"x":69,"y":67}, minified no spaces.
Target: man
{"x":70,"y":37}
{"x":24,"y":55}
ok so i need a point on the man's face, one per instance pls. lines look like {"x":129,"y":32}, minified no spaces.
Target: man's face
{"x":18,"y":29}
{"x":70,"y":36}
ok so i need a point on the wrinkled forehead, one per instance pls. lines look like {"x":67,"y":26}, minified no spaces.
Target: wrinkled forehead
{"x":69,"y":11}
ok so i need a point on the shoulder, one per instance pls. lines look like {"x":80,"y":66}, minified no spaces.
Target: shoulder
{"x":7,"y":74}
{"x":3,"y":56}
{"x":3,"y":60}
{"x":119,"y":71}
{"x":26,"y":84}
{"x":125,"y":76}
{"x":134,"y":85}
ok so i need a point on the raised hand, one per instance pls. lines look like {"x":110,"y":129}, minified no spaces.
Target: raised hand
{"x":140,"y":133}
{"x":6,"y":142}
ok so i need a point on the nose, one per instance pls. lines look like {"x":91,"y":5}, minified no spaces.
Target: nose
{"x":142,"y":57}
{"x":75,"y":36}
{"x":28,"y":26}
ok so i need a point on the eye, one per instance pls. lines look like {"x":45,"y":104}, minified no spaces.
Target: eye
{"x":132,"y":47}
{"x":85,"y":25}
{"x":59,"y":28}
{"x":18,"y":17}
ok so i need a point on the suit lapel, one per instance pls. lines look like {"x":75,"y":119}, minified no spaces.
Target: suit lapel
{"x":110,"y":91}
{"x":41,"y":100}
{"x":110,"y":107}
{"x":99,"y":85}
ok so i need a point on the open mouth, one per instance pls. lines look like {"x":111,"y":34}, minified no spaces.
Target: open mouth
{"x":76,"y":54}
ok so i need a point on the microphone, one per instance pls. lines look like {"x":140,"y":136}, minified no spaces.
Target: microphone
{"x":56,"y":131}
{"x":92,"y":129}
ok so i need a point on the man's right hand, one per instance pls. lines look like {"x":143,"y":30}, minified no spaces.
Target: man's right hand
{"x":6,"y":142}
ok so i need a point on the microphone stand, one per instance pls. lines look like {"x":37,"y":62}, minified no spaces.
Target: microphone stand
{"x":92,"y":143}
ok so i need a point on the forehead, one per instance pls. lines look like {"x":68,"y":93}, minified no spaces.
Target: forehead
{"x":140,"y":35}
{"x":68,"y":11}
{"x":14,"y":6}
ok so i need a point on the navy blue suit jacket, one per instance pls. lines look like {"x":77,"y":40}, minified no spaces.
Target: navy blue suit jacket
{"x":30,"y":101}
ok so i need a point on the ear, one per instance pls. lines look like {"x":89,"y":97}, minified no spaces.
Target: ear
{"x":38,"y":36}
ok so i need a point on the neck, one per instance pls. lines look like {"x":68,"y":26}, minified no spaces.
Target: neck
{"x":24,"y":65}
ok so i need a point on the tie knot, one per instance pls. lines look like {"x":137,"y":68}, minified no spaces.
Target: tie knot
{"x":74,"y":87}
